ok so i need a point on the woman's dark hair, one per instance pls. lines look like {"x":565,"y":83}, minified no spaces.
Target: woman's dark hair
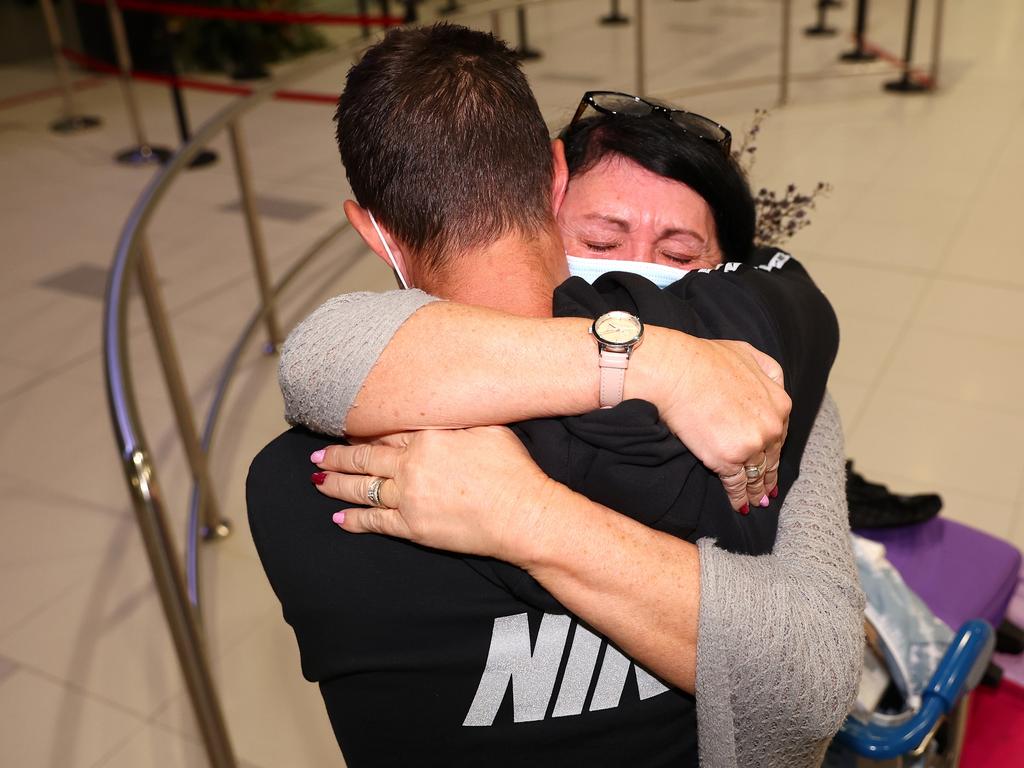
{"x":664,"y":148}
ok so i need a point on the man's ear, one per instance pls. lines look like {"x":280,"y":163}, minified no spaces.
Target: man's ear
{"x":359,"y":217}
{"x":560,"y":179}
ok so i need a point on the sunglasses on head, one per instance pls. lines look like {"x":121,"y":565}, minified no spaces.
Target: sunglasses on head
{"x":614,"y":103}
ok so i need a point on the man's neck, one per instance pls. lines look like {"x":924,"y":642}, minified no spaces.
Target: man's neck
{"x":514,"y":275}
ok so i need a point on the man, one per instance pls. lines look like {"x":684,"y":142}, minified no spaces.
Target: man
{"x":420,"y":656}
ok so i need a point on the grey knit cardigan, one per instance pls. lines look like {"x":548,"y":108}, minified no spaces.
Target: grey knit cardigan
{"x":780,"y":638}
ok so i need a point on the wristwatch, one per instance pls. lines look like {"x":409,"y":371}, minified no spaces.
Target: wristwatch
{"x":617,"y":335}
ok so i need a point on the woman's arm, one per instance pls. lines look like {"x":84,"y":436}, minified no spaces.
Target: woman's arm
{"x":424,"y":363}
{"x":788,"y":622}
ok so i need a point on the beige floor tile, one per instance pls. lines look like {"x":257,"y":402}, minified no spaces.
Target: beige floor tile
{"x":864,"y":347}
{"x":858,"y":291}
{"x":939,"y":444}
{"x":850,"y":396}
{"x":958,"y":305}
{"x":52,"y":543}
{"x":275,"y":717}
{"x":46,"y":725}
{"x":961,"y":367}
{"x":156,"y":747}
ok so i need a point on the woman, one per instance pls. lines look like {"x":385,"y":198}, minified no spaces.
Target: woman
{"x":808,"y":577}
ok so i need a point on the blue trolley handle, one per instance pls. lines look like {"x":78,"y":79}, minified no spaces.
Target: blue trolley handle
{"x":959,"y":671}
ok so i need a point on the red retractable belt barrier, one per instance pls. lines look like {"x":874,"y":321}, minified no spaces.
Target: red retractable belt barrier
{"x":241,"y":14}
{"x":189,"y":82}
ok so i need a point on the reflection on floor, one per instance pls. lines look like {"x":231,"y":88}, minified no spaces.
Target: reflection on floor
{"x":918,"y":247}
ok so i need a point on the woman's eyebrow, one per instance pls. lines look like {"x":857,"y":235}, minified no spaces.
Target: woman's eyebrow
{"x":675,"y":231}
{"x":614,"y":221}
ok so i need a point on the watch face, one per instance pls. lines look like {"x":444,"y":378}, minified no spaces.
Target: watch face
{"x":618,"y":328}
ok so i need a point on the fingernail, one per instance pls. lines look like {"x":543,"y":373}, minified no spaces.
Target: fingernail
{"x":339,"y":518}
{"x":318,"y":478}
{"x":774,"y":492}
{"x":764,"y":501}
{"x":317,"y":456}
{"x":745,"y":509}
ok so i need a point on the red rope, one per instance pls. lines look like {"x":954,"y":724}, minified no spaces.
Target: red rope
{"x":240,"y":14}
{"x":190,"y":82}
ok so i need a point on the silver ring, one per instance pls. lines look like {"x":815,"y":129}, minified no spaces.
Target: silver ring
{"x":754,"y":472}
{"x":373,"y":492}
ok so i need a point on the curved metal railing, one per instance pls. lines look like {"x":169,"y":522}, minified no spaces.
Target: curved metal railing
{"x":178,"y":591}
{"x":132,"y":259}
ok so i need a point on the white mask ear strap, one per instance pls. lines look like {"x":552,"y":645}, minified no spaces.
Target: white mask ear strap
{"x":387,"y":249}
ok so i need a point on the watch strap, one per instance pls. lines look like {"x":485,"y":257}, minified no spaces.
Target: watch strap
{"x":613,"y":376}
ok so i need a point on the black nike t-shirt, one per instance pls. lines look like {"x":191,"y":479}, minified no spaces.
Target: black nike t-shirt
{"x":429,"y":658}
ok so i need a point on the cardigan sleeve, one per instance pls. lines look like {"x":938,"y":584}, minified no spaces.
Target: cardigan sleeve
{"x":328,"y":356}
{"x":780,"y":640}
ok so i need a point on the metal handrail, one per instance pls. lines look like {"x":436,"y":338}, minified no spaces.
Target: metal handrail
{"x":131,"y":259}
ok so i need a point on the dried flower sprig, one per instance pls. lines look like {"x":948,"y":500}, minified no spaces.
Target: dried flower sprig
{"x":779,"y":216}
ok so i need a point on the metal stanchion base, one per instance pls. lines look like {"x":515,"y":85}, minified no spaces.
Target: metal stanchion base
{"x":220,"y":531}
{"x":527,"y":54}
{"x":75,"y":123}
{"x":204,"y":158}
{"x":614,"y":19}
{"x":819,"y":30}
{"x":146,"y":154}
{"x":857,"y":55}
{"x":906,"y":85}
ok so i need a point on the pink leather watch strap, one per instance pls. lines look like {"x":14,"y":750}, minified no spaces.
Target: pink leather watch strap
{"x":613,"y":377}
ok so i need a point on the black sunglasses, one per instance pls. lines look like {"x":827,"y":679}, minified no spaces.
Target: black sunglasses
{"x":614,"y":103}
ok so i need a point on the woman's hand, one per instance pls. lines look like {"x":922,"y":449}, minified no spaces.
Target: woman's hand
{"x":475,"y":491}
{"x":727,"y":403}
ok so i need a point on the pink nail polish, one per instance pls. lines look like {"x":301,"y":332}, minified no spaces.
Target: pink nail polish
{"x":339,"y":518}
{"x":317,"y":456}
{"x":764,"y":501}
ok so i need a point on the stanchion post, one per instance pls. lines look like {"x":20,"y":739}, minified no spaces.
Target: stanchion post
{"x":252,"y":225}
{"x":180,"y":616}
{"x":641,"y":52}
{"x":364,"y":10}
{"x":523,"y":50}
{"x":614,"y":16}
{"x":71,"y":120}
{"x":205,"y":156}
{"x":143,"y":153}
{"x":940,"y":9}
{"x":906,"y":84}
{"x":496,"y":23}
{"x":785,"y":41}
{"x":214,"y":526}
{"x":860,"y":53}
{"x":821,"y":27}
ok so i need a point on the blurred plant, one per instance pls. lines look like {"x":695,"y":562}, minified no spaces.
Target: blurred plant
{"x":779,"y":215}
{"x":242,"y":49}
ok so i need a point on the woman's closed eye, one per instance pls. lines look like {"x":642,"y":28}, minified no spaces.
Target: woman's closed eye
{"x":601,"y":247}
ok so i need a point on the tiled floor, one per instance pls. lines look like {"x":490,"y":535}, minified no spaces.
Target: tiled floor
{"x":918,"y":246}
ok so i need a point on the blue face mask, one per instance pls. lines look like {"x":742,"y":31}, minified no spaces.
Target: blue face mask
{"x":591,"y":269}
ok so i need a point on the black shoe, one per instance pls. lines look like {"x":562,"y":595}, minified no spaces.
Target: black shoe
{"x":873,"y":505}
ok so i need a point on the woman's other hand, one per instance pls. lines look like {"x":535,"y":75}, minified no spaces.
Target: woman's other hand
{"x":475,"y":491}
{"x":729,"y":406}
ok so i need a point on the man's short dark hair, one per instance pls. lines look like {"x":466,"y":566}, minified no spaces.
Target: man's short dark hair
{"x":443,"y":141}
